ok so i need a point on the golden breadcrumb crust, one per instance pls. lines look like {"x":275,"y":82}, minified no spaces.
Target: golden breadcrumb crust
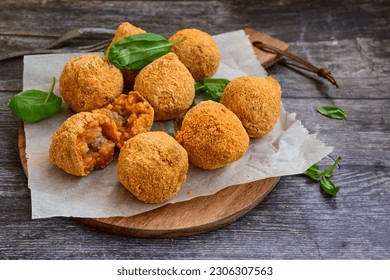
{"x":256,"y":102}
{"x":124,"y":30}
{"x":199,"y":52}
{"x":90,"y":82}
{"x":82,"y":143}
{"x":168,"y":86}
{"x":131,"y":113}
{"x":212,"y":135}
{"x":152,"y":166}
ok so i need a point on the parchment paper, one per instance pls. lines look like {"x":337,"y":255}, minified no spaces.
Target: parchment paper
{"x":288,"y":149}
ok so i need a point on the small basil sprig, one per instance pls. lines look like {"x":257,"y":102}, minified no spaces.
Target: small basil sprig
{"x":322,"y":175}
{"x":136,"y":51}
{"x":211,"y":88}
{"x":332,"y":112}
{"x":35,"y":105}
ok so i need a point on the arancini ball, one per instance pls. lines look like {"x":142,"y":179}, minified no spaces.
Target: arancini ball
{"x":83,"y":142}
{"x":124,"y":30}
{"x":90,"y":82}
{"x":255,"y":101}
{"x":167,"y":85}
{"x":199,"y":52}
{"x":212,"y":135}
{"x":152,"y":166}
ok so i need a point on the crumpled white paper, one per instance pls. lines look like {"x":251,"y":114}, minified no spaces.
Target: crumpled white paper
{"x":288,"y":149}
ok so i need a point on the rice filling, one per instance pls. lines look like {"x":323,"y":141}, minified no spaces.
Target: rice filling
{"x":95,"y":148}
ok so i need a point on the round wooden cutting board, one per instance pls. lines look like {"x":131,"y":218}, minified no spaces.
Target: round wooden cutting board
{"x":198,"y":215}
{"x":195,"y":216}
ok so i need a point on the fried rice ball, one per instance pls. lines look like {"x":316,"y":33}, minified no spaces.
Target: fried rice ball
{"x":152,"y":166}
{"x":89,"y":82}
{"x":212,"y":135}
{"x":83,"y":143}
{"x":124,"y":30}
{"x":167,"y":85}
{"x":199,"y":52}
{"x":132,"y":115}
{"x":255,"y":101}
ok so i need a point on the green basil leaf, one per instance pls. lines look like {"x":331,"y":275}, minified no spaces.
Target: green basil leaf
{"x":216,"y":81}
{"x":198,"y":87}
{"x":329,"y":171}
{"x":328,"y":186}
{"x":137,"y":51}
{"x":332,"y":112}
{"x":313,"y":172}
{"x":215,"y":95}
{"x":35,"y":105}
{"x":211,"y":88}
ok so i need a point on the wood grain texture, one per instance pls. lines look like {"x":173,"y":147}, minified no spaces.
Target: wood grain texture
{"x":296,"y":221}
{"x":267,"y":59}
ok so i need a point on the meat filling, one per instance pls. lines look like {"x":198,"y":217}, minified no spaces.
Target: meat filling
{"x":132,"y":115}
{"x":96,"y":149}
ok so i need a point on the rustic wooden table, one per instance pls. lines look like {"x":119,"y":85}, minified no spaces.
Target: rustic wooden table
{"x":296,"y":220}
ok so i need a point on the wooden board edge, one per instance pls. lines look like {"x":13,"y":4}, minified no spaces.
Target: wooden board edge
{"x":266,"y":59}
{"x":22,"y":148}
{"x":102,"y":224}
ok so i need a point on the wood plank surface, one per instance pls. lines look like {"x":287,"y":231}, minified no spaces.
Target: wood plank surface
{"x":296,"y":221}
